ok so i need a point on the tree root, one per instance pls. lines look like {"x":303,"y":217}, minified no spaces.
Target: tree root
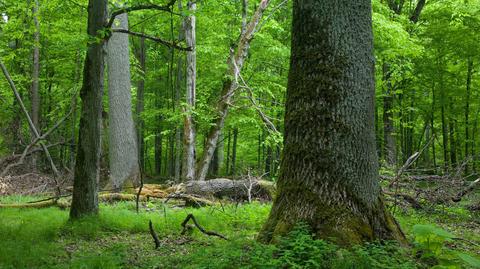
{"x":186,"y":227}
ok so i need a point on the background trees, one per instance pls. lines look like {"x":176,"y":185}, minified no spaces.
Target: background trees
{"x":432,"y":71}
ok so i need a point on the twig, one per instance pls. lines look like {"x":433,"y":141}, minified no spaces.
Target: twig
{"x":137,"y":201}
{"x":154,"y":235}
{"x":210,"y":233}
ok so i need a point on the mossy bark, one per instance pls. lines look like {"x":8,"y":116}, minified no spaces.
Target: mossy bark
{"x":328,"y":175}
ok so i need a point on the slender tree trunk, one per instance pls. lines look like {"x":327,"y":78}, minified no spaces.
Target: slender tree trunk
{"x":123,"y":151}
{"x":189,"y":125}
{"x":233,"y":169}
{"x":34,"y":89}
{"x":87,"y":167}
{"x":467,"y":112}
{"x":230,"y":85}
{"x":329,"y":172}
{"x":451,"y":133}
{"x":140,"y":104}
{"x":227,"y":164}
{"x":390,"y":150}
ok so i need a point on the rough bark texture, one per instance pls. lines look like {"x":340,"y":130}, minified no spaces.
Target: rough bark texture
{"x":123,"y":151}
{"x":189,"y":127}
{"x":230,"y":85}
{"x":328,"y":177}
{"x":87,"y":165}
{"x":227,"y":188}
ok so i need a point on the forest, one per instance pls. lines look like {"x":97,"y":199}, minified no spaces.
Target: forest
{"x":240,"y":134}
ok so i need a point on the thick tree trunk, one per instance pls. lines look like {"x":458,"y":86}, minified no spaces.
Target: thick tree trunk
{"x":230,"y":85}
{"x":123,"y":151}
{"x":189,"y":125}
{"x":87,"y":166}
{"x":140,"y":105}
{"x":329,"y":172}
{"x":34,"y":89}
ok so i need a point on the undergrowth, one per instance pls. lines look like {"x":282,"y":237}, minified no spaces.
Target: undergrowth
{"x":119,"y":238}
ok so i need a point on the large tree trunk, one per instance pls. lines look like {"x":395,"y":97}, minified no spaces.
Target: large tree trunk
{"x":329,"y":171}
{"x":230,"y":85}
{"x":34,"y":93}
{"x":189,"y":125}
{"x":87,"y":165}
{"x":123,"y":151}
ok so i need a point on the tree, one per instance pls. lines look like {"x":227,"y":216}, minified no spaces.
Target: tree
{"x":329,"y":171}
{"x":34,"y":94}
{"x":123,"y":152}
{"x":87,"y":165}
{"x":189,"y":127}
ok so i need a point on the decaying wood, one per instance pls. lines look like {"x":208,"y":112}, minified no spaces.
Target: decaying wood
{"x":226,"y":188}
{"x":467,"y":190}
{"x":210,"y":233}
{"x":154,"y":235}
{"x":190,"y":200}
{"x":408,"y":198}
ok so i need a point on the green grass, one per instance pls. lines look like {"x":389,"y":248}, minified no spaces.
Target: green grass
{"x":119,"y":238}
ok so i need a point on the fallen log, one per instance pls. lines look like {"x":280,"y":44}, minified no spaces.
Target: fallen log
{"x":458,"y":197}
{"x":226,"y":188}
{"x":190,"y":200}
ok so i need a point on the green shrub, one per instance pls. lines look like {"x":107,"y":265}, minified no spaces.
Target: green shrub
{"x":430,"y":246}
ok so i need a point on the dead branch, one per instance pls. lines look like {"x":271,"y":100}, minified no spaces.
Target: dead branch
{"x":210,"y":233}
{"x":458,"y":197}
{"x":32,"y":126}
{"x":410,"y":199}
{"x":155,"y":39}
{"x":154,"y":235}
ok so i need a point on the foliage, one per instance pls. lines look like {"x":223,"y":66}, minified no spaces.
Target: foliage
{"x":430,"y":244}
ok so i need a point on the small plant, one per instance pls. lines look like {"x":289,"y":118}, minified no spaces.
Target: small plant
{"x":430,"y":245}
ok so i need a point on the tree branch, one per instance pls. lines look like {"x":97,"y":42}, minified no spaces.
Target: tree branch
{"x":156,"y":39}
{"x":168,"y":8}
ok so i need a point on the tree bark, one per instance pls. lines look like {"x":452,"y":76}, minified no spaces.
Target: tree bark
{"x":87,"y":166}
{"x":123,"y":151}
{"x":230,"y":85}
{"x":34,"y":89}
{"x":329,"y":171}
{"x":189,"y":125}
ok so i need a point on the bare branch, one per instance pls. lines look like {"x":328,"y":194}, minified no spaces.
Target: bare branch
{"x":156,"y":39}
{"x":168,"y":8}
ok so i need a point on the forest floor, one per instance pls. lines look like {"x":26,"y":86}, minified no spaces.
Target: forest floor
{"x":120,"y":238}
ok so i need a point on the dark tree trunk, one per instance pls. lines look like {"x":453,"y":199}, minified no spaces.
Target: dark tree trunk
{"x":87,"y":166}
{"x":34,"y":88}
{"x":329,"y":171}
{"x":140,"y":54}
{"x":467,"y":112}
{"x":227,"y":163}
